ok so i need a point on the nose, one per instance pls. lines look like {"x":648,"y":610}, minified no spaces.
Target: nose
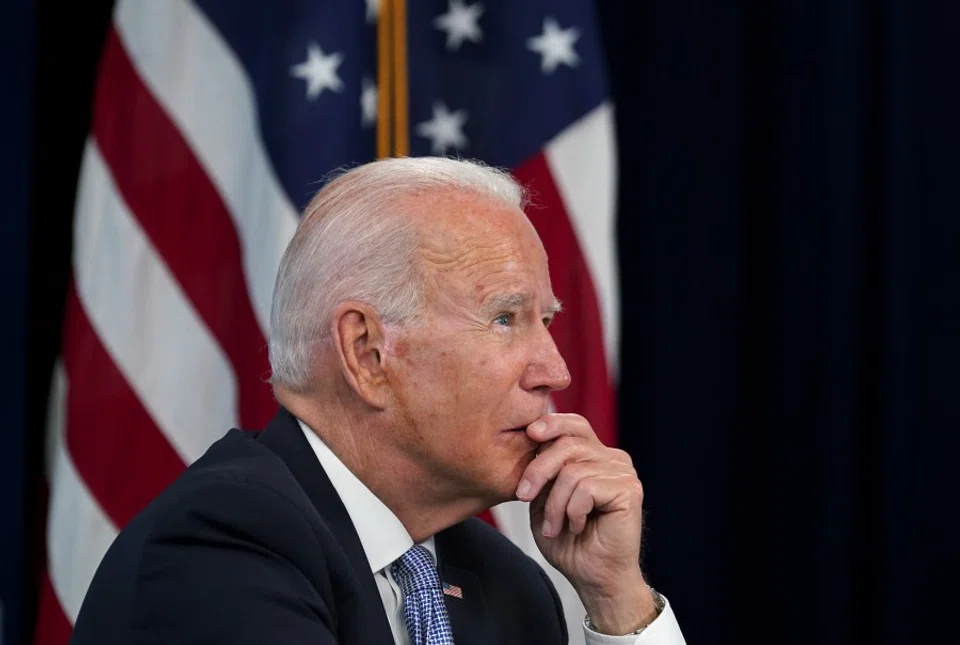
{"x":546,"y":371}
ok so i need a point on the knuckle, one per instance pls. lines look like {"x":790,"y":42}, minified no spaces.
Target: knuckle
{"x":581,"y":502}
{"x":637,"y":486}
{"x":586,"y":487}
{"x":622,"y":456}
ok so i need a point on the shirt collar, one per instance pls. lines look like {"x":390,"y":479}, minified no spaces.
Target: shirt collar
{"x":382,"y":535}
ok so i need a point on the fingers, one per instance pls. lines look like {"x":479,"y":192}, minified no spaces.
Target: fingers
{"x":563,"y":438}
{"x":586,"y":497}
{"x":582,"y":488}
{"x":574,"y":474}
{"x":549,"y":462}
{"x":564,"y":450}
{"x":557,"y":498}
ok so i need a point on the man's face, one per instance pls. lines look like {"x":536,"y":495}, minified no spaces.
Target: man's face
{"x":478,"y":366}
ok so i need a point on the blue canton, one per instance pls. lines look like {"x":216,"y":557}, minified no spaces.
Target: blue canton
{"x":489,"y":79}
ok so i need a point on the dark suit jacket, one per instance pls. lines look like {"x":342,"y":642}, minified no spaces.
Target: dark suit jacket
{"x":252,"y":545}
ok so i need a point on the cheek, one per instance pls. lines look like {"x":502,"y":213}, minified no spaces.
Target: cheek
{"x":486,"y":380}
{"x":453,"y":378}
{"x":426,"y":372}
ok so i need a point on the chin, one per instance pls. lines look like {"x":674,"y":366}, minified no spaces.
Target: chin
{"x":494,"y":478}
{"x":507,"y":489}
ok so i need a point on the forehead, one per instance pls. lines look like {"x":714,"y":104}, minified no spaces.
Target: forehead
{"x":449,"y":218}
{"x":480,"y":242}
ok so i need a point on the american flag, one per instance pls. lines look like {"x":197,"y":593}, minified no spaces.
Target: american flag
{"x":213,"y":122}
{"x":452,"y":590}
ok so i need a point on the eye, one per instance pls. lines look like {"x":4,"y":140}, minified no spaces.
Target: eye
{"x":503,"y":320}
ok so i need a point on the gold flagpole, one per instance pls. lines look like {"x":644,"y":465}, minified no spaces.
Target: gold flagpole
{"x":401,"y":141}
{"x":384,"y":94}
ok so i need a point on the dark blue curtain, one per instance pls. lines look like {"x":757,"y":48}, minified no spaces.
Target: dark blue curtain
{"x":16,"y":83}
{"x":790,"y":240}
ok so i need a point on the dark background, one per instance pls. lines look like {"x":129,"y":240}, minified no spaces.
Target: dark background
{"x":790,"y":267}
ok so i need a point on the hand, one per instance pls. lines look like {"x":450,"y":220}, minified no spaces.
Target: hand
{"x":586,"y":516}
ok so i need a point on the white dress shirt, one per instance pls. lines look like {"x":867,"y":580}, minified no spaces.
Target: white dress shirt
{"x":385,"y":539}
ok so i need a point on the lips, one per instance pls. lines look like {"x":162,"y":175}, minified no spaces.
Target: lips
{"x":523,"y":427}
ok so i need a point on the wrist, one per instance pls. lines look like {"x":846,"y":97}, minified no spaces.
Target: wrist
{"x":621,"y":609}
{"x":661,"y":604}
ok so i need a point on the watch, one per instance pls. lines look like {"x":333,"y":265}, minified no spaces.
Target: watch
{"x":658,"y":601}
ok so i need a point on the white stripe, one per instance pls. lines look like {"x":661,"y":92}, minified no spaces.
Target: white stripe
{"x":513,"y":520}
{"x":203,"y":88}
{"x":582,"y":160}
{"x":78,"y":532}
{"x":149,"y":328}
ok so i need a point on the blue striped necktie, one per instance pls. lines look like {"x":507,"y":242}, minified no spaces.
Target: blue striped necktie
{"x":423,"y":608}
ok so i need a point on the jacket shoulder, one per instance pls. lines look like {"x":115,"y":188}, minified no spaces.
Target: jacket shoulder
{"x":234,"y":530}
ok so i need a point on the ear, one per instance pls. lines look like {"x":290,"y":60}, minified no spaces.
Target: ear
{"x":358,"y":335}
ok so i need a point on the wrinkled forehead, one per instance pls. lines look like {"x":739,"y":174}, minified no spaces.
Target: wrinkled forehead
{"x":454,"y":224}
{"x":480,"y":243}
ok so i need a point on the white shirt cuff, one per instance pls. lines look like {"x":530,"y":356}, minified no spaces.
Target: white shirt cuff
{"x":664,"y":630}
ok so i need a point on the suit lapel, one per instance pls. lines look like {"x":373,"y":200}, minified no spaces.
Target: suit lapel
{"x":284,"y":437}
{"x":468,"y":615}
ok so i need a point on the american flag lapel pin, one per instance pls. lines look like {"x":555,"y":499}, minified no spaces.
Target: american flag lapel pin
{"x":452,"y":590}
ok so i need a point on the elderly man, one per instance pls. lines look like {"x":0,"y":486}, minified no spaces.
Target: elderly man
{"x":413,"y":361}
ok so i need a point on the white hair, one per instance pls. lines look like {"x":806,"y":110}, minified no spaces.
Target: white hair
{"x":355,"y":243}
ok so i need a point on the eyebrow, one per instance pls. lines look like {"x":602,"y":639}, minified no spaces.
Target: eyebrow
{"x":510,"y":301}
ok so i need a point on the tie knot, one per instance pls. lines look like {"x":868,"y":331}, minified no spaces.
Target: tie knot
{"x":415,"y":571}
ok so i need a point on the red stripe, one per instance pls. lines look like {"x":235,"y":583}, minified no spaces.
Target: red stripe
{"x":180,"y":210}
{"x":578,"y":331}
{"x":116,"y":446}
{"x":53,"y":627}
